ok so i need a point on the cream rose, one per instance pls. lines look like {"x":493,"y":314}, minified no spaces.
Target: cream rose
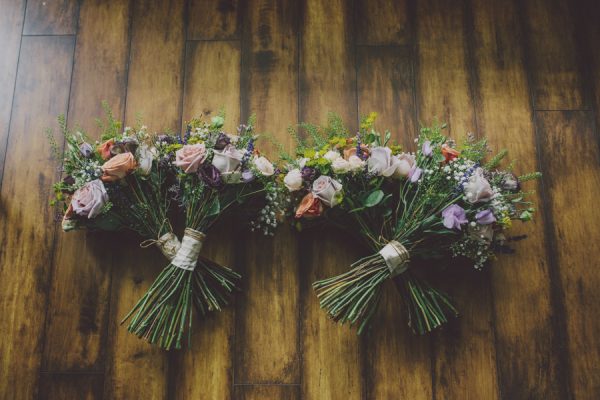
{"x":331,"y":155}
{"x":190,"y":157}
{"x":478,"y":188}
{"x":264,"y":166}
{"x":328,"y":190}
{"x":356,"y":164}
{"x":118,"y":167}
{"x":145,"y":158}
{"x":89,"y":200}
{"x":340,"y":166}
{"x":228,"y":159}
{"x":404,"y":163}
{"x":293,"y":180}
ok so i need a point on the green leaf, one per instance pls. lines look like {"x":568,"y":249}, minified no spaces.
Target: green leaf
{"x":374,"y":198}
{"x":214,"y":209}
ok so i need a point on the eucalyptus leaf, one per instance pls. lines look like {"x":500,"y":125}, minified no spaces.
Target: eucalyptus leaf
{"x":374,"y":198}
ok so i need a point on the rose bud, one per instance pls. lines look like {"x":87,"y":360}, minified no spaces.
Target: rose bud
{"x":222,"y":141}
{"x":211,"y":176}
{"x":104,"y":149}
{"x":86,"y":149}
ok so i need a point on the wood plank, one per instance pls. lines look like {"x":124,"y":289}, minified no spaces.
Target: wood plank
{"x":71,"y":386}
{"x":383,"y":22}
{"x":154,"y":91}
{"x":260,"y":392}
{"x":587,"y":14}
{"x":11,"y":26}
{"x":464,"y":362}
{"x":574,"y":235}
{"x":557,"y":83}
{"x":51,"y":17}
{"x":331,"y":358}
{"x":27,"y":225}
{"x":80,"y":287}
{"x":271,"y":281}
{"x":212,"y":82}
{"x":528,"y":348}
{"x":214,"y":20}
{"x":399,"y":363}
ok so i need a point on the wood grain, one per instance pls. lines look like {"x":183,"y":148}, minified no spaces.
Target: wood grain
{"x":80,"y":287}
{"x":11,"y":26}
{"x":259,"y":392}
{"x":382,"y":22}
{"x":152,"y":33}
{"x":574,"y":235}
{"x":556,"y":83}
{"x":27,"y":223}
{"x":331,"y":358}
{"x":51,"y":17}
{"x":267,"y":315}
{"x":212,"y":82}
{"x":464,"y":352}
{"x":214,"y":20}
{"x":398,"y":362}
{"x":69,"y":386}
{"x":528,"y":346}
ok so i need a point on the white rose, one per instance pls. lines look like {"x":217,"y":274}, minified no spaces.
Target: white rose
{"x":478,"y":188}
{"x":302,"y":162}
{"x":89,"y":200}
{"x":381,"y":162}
{"x":264,"y":166}
{"x":331,"y":155}
{"x":293,"y":180}
{"x":228,"y":159}
{"x":356,"y":164}
{"x":404,"y":164}
{"x":145,"y":158}
{"x":328,"y":190}
{"x":340,"y":166}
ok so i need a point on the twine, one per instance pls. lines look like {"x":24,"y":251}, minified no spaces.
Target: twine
{"x":191,"y":245}
{"x":396,"y":257}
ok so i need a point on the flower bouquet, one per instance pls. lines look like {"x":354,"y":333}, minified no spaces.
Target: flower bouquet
{"x":214,"y":174}
{"x":442,"y":200}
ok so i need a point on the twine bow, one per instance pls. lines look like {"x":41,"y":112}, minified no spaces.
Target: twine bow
{"x":396,"y":257}
{"x":168,"y":244}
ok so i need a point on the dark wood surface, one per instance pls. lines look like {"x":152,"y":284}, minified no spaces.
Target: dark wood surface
{"x":526,"y":74}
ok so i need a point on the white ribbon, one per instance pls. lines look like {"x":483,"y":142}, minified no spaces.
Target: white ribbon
{"x":396,"y":257}
{"x":187,"y":255}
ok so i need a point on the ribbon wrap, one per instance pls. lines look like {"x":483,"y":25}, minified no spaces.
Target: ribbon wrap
{"x":191,"y":245}
{"x":396,"y":257}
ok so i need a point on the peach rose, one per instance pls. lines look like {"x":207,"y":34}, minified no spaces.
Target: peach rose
{"x":352,"y":151}
{"x":104,"y":149}
{"x":309,"y":207}
{"x":118,"y":167}
{"x":190,"y":157}
{"x":449,"y":153}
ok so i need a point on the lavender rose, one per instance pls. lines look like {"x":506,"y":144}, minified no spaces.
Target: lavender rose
{"x":190,"y":157}
{"x":89,"y":200}
{"x":404,"y":165}
{"x":454,"y":216}
{"x":328,"y":190}
{"x":381,"y":161}
{"x":228,"y":159}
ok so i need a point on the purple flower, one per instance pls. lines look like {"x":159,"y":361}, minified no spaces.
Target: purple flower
{"x":426,"y":149}
{"x":308,"y":174}
{"x":247,"y":176}
{"x":211,"y":176}
{"x":86,"y":149}
{"x":454,"y":216}
{"x":415,"y":173}
{"x":485,"y":217}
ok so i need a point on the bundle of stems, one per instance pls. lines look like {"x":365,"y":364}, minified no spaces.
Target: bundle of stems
{"x":354,"y":295}
{"x":164,"y":313}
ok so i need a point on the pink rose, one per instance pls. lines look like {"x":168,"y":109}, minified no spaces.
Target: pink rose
{"x":190,"y":157}
{"x":89,"y":200}
{"x":328,"y":190}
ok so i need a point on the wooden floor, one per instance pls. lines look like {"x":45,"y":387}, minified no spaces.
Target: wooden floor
{"x":524,"y":73}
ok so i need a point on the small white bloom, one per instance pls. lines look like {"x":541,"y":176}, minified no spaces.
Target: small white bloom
{"x":264,"y":166}
{"x":331,"y":155}
{"x":340,"y":166}
{"x":356,"y":164}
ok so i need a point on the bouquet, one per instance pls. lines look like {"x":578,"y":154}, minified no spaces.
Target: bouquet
{"x":444,"y":200}
{"x":214,"y":174}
